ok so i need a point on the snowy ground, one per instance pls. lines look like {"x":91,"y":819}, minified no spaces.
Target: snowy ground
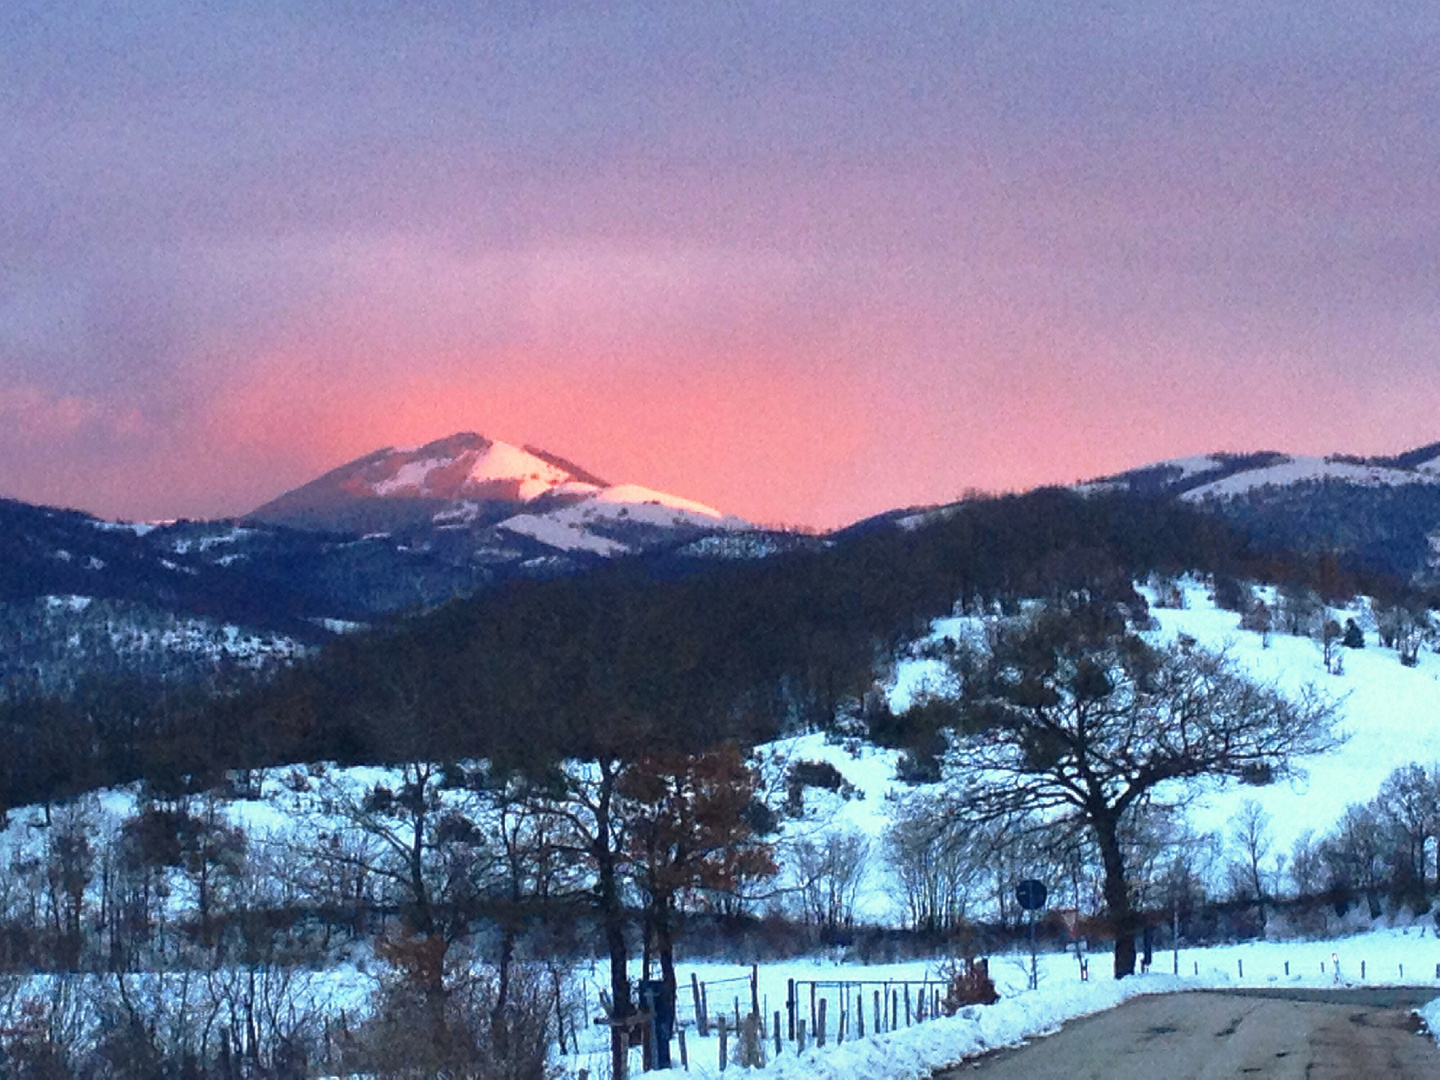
{"x":1391,"y":956}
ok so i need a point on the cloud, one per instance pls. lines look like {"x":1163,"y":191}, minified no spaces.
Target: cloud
{"x":900,"y":249}
{"x":32,"y":416}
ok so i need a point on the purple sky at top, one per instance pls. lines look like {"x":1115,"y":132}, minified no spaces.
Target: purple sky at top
{"x":801,"y":260}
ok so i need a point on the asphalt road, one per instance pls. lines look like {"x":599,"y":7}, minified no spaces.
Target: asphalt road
{"x":1256,"y":1035}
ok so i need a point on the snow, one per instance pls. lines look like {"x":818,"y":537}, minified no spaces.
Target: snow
{"x":341,"y":626}
{"x":634,"y":493}
{"x":1297,"y":470}
{"x":500,"y":461}
{"x":566,"y":528}
{"x":1195,"y":465}
{"x":577,"y":488}
{"x":138,"y":528}
{"x":69,"y":603}
{"x":1397,"y":956}
{"x":1183,"y":468}
{"x":505,"y":462}
{"x":863,"y":807}
{"x":569,"y":528}
{"x":1386,"y":710}
{"x":410,"y":476}
{"x":558,"y":532}
{"x":742,"y":545}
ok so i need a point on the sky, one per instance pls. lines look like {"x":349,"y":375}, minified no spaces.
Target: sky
{"x":803,"y":260}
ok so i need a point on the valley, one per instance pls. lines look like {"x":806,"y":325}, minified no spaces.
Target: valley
{"x":465,"y":772}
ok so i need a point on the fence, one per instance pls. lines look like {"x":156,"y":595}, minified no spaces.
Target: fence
{"x":893,"y":1004}
{"x":814,"y":1012}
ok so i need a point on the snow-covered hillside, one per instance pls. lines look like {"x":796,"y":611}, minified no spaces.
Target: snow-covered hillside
{"x":1389,"y":713}
{"x":51,"y":643}
{"x":1220,"y":476}
{"x":1298,"y":470}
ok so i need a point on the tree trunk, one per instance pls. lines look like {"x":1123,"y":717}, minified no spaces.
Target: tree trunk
{"x":666,"y":935}
{"x":499,"y":1025}
{"x":612,"y":913}
{"x":1117,"y":897}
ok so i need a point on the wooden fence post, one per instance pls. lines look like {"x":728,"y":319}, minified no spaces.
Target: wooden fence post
{"x":700,"y":1022}
{"x":777,"y":1033}
{"x":820,"y":1028}
{"x":790,"y":1005}
{"x":752,"y":1046}
{"x":684,"y":1053}
{"x":724,"y":1043}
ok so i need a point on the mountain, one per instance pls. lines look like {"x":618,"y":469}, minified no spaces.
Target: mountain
{"x":1374,"y":514}
{"x":1225,"y":476}
{"x":393,"y":531}
{"x":1380,"y":513}
{"x":495,"y":490}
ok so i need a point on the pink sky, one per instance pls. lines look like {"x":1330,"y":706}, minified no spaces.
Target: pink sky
{"x":803,"y":262}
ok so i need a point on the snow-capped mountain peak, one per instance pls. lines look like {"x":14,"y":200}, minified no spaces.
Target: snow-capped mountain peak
{"x":469,"y":482}
{"x":467,"y":466}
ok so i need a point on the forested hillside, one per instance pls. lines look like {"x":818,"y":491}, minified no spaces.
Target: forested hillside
{"x":647,"y":651}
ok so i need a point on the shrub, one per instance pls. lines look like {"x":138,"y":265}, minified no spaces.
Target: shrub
{"x":968,"y":982}
{"x":819,"y":774}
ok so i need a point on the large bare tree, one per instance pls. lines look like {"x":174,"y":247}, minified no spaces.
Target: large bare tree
{"x":1070,"y":715}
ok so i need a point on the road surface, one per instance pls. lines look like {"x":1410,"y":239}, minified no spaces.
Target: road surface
{"x":1253,"y":1035}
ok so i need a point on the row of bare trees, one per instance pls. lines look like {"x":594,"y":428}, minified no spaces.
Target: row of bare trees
{"x":448,"y":869}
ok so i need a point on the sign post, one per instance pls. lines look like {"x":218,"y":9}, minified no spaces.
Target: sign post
{"x":1030,"y":894}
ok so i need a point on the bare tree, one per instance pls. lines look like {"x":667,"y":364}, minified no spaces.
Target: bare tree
{"x":1307,"y":866}
{"x":583,"y":798}
{"x":1403,"y":627}
{"x":1070,"y":715}
{"x":1331,"y":637}
{"x":931,"y":853}
{"x":1355,"y":855}
{"x":1250,"y":835}
{"x":830,"y":875}
{"x":1410,"y":799}
{"x":421,"y":839}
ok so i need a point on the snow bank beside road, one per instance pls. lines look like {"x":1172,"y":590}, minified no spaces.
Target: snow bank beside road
{"x":917,"y":1052}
